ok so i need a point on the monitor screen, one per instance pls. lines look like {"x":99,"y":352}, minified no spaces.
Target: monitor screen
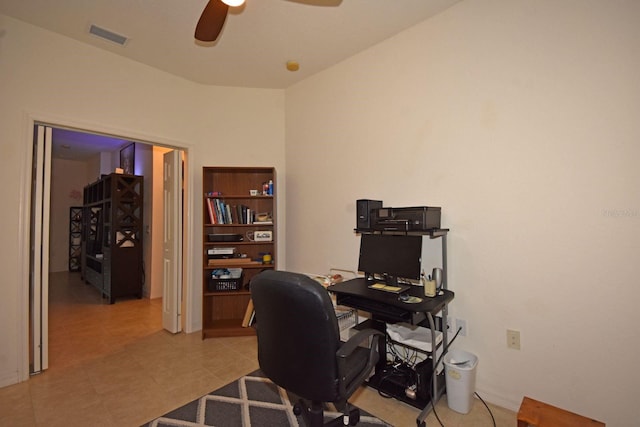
{"x":391,"y":255}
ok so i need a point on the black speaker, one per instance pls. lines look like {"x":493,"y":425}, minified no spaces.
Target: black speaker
{"x":364,"y":208}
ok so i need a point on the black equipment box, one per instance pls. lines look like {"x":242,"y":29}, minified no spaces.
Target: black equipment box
{"x":420,"y":218}
{"x":225,"y":237}
{"x":392,"y":225}
{"x":364,"y":208}
{"x":424,"y":371}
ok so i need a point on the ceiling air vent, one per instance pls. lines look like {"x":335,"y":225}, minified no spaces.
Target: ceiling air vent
{"x":108,"y":35}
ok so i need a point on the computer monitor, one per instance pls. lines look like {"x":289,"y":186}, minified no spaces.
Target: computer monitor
{"x":390,"y":256}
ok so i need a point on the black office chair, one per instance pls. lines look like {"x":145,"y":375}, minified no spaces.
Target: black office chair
{"x":299,"y":345}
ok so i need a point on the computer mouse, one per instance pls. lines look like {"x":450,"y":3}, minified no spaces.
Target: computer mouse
{"x":403,"y":297}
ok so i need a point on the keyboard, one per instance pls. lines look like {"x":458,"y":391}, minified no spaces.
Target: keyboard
{"x":383,"y":311}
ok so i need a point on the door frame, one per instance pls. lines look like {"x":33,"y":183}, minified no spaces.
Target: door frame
{"x":31,"y":119}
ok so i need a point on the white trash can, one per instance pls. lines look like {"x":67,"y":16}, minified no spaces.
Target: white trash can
{"x":460,"y":377}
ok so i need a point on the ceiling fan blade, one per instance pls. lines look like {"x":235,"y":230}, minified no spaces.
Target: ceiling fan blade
{"x":211,"y":21}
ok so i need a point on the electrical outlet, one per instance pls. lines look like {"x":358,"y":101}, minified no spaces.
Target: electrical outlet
{"x":451,"y":325}
{"x":513,"y":339}
{"x":462,"y":325}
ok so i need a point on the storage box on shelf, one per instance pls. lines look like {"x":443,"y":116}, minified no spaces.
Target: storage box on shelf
{"x":239,"y":235}
{"x":225,"y":279}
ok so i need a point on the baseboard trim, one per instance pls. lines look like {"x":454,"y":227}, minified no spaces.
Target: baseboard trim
{"x":499,"y":400}
{"x":10,"y":378}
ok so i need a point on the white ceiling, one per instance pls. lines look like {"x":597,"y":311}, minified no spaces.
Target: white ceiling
{"x":80,"y":146}
{"x":256,"y":41}
{"x":252,"y":50}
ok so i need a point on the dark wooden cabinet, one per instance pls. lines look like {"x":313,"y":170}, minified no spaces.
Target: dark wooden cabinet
{"x":112,"y":236}
{"x":239,"y":232}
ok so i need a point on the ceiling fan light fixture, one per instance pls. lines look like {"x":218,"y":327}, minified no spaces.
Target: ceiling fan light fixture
{"x":233,"y":3}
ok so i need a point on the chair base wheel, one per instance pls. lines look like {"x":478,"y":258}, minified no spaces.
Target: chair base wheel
{"x":313,"y":415}
{"x":354,"y":417}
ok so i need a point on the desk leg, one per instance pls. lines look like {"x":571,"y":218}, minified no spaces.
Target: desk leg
{"x":435,"y":396}
{"x":423,"y":415}
{"x":382,"y":344}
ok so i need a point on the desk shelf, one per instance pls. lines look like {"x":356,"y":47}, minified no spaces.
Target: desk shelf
{"x":378,"y":382}
{"x":432,"y":233}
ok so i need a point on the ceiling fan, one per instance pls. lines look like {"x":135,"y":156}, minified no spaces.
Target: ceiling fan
{"x":215,"y":13}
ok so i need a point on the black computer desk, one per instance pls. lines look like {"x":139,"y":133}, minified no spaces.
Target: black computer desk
{"x":386,"y":307}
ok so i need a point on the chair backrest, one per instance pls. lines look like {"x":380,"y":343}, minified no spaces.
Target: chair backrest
{"x":298,"y":334}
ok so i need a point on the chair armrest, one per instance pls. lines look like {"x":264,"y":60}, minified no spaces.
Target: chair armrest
{"x":350,"y":345}
{"x":347,"y":386}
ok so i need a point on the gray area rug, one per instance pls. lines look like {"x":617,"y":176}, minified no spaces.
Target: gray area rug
{"x":252,"y":400}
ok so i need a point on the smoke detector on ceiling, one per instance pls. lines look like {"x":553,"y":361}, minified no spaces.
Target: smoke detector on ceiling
{"x":108,"y":35}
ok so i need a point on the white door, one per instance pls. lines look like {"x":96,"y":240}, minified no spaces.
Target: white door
{"x":172,"y":242}
{"x":39,"y":280}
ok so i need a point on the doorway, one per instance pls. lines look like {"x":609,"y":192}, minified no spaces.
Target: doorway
{"x":100,"y":155}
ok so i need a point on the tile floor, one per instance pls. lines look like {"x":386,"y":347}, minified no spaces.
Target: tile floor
{"x":113,"y":365}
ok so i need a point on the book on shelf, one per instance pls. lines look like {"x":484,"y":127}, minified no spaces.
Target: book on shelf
{"x":212,"y":218}
{"x":218,"y":210}
{"x":228,"y":216}
{"x":248,"y":315}
{"x":239,"y":214}
{"x":245,"y":214}
{"x":224,"y":213}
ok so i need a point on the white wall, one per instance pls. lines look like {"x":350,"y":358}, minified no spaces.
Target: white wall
{"x":520,"y":119}
{"x":66,"y":191}
{"x":94,"y":168}
{"x":55,"y":79}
